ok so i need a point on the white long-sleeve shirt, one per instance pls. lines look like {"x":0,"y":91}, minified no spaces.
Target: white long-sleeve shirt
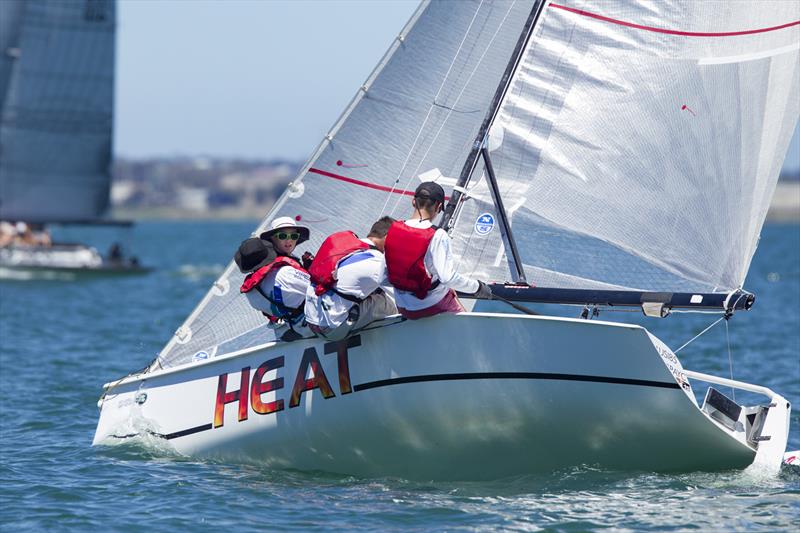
{"x":440,"y":265}
{"x":287,"y":285}
{"x":358,"y":275}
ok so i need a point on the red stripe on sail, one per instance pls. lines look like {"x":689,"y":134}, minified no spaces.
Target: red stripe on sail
{"x":362,"y":183}
{"x":673,"y":32}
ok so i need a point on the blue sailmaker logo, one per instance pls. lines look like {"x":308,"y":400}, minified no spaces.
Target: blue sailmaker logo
{"x":484,"y":224}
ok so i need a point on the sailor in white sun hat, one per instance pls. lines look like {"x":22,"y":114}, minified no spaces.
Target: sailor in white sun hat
{"x":277,"y":281}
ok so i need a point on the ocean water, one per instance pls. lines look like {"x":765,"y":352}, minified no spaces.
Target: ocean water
{"x":60,"y":340}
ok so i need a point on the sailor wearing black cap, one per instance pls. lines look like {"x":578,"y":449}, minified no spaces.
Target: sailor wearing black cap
{"x":420,"y":264}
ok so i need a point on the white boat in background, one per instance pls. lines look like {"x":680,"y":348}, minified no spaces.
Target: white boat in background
{"x":56,"y":126}
{"x":24,"y":262}
{"x":614,"y":154}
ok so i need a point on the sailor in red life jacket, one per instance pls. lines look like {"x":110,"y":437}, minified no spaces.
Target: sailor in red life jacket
{"x":420,"y":264}
{"x":349,"y":288}
{"x":277,"y":282}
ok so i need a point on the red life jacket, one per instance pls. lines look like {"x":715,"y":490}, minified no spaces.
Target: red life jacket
{"x":254,"y":279}
{"x":334,"y":249}
{"x":405,"y":250}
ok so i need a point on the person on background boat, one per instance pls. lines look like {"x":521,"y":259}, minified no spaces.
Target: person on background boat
{"x":420,"y":264}
{"x":40,"y":236}
{"x":348,"y":283}
{"x":7,"y":233}
{"x":277,"y":282}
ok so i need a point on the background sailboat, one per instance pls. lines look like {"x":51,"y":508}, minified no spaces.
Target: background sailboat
{"x":626,"y":155}
{"x":56,"y":125}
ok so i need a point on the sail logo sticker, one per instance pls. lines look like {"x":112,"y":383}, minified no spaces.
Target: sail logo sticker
{"x":485,"y":224}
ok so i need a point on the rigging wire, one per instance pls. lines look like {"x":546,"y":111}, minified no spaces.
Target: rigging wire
{"x":430,"y":109}
{"x":699,"y":334}
{"x":450,"y":111}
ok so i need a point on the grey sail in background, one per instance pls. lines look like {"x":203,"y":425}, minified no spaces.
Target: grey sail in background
{"x":57,"y":91}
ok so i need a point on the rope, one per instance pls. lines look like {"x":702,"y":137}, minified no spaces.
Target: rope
{"x":450,"y":109}
{"x":463,"y":88}
{"x":730,"y":356}
{"x":430,"y":109}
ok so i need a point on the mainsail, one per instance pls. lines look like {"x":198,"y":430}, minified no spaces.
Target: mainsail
{"x":640,"y":143}
{"x":636,"y":145}
{"x":57,"y":96}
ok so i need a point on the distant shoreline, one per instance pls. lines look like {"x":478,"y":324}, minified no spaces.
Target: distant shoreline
{"x":785,"y":207}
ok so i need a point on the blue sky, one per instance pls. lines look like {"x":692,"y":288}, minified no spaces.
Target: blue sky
{"x":248,"y":78}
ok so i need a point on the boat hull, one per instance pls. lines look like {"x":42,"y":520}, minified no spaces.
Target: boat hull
{"x":468,"y":396}
{"x":60,"y":261}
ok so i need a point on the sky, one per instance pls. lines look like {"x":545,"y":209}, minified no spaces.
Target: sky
{"x":250,"y":78}
{"x":257,"y":79}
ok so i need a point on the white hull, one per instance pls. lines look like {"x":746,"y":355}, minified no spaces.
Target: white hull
{"x":469,"y":396}
{"x":26,"y":262}
{"x":56,"y":256}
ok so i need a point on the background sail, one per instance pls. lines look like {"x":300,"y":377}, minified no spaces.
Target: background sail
{"x":639,"y":144}
{"x":57,"y":90}
{"x":418,"y":113}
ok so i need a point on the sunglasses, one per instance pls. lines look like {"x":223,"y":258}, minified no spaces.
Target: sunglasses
{"x":283,"y":236}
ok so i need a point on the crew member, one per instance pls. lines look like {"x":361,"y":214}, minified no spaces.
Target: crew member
{"x":419,"y":263}
{"x":348,"y":283}
{"x":277,"y":282}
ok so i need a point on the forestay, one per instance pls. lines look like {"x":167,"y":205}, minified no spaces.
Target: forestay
{"x":57,"y":97}
{"x":639,"y":144}
{"x":417,"y":113}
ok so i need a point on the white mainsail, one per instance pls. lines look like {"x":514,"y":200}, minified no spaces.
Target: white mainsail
{"x":56,"y":109}
{"x":630,"y":151}
{"x":639,"y":143}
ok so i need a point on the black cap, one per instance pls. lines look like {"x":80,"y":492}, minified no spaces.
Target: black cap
{"x":253,"y":254}
{"x":430,"y":189}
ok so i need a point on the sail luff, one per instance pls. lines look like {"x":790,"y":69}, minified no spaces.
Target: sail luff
{"x":328,"y":138}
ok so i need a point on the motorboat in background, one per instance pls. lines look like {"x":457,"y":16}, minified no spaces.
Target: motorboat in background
{"x":56,"y":127}
{"x":614,"y":154}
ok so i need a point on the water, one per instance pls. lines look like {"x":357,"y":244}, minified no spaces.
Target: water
{"x":61,"y":340}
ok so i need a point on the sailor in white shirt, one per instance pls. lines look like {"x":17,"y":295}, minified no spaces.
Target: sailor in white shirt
{"x":359,"y":292}
{"x":277,"y":282}
{"x":420,"y":264}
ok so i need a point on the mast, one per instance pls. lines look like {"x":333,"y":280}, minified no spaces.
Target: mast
{"x":448,"y":218}
{"x":505,"y":226}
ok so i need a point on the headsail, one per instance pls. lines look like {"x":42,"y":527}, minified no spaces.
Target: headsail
{"x":57,"y":91}
{"x":639,"y":144}
{"x":417,"y":113}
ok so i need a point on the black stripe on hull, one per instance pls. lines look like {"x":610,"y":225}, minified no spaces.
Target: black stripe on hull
{"x":459,"y":377}
{"x":514,"y":375}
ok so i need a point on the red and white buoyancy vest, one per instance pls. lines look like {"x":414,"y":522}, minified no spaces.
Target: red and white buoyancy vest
{"x":334,"y":249}
{"x":254,"y":279}
{"x":405,"y":250}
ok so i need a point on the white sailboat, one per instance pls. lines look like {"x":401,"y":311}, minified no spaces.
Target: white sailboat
{"x":56,"y":126}
{"x":613,"y":154}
